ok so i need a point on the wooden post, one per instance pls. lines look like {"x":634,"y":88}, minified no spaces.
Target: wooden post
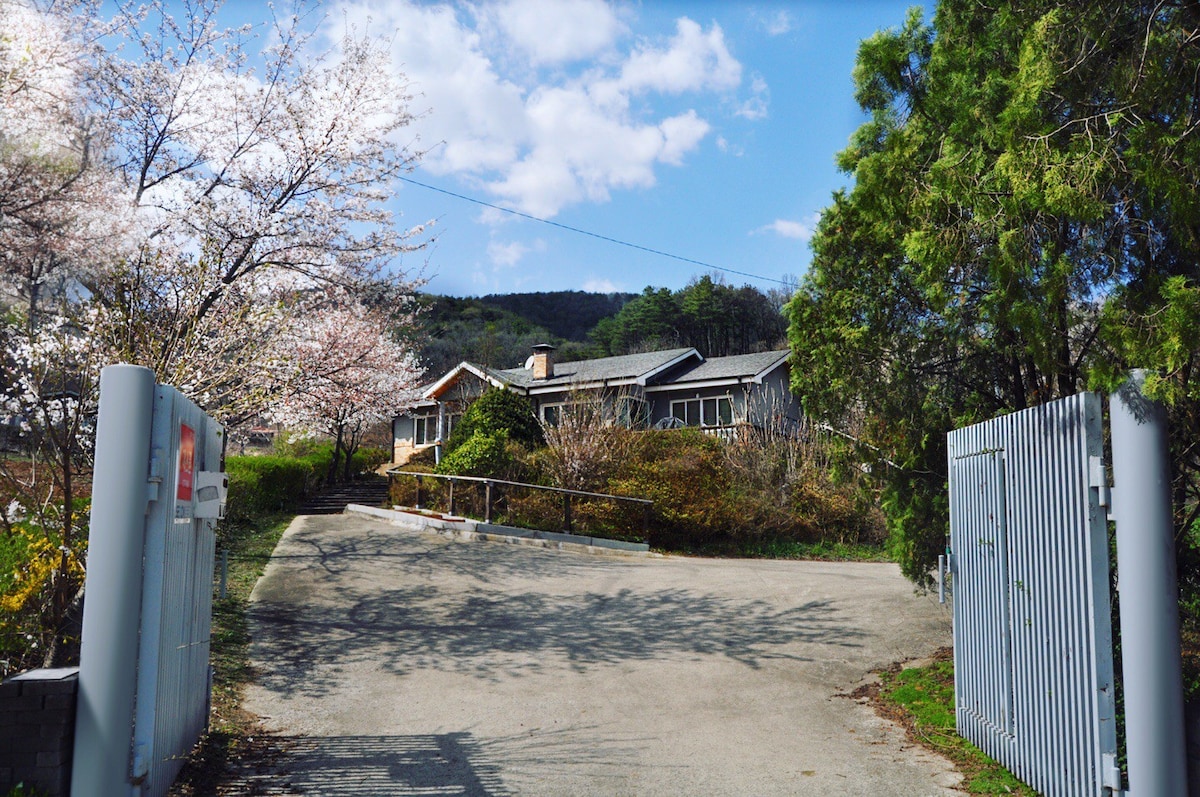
{"x":452,"y":512}
{"x":487,"y":502}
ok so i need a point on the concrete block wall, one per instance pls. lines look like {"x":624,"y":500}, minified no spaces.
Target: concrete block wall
{"x":37,"y":730}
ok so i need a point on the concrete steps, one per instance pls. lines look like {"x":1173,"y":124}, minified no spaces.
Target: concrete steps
{"x":369,"y":490}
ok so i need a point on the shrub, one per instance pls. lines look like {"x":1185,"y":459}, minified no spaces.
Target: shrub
{"x":366,"y":460}
{"x":270,"y":483}
{"x":30,"y":556}
{"x":704,"y":503}
{"x":482,"y":454}
{"x":498,"y":410}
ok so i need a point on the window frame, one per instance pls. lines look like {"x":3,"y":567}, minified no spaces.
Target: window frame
{"x":698,"y":408}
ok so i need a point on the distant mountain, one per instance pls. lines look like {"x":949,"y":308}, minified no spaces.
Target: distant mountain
{"x":499,"y":330}
{"x":569,"y":315}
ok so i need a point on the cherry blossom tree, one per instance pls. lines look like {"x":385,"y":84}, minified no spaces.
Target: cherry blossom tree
{"x":351,"y":373}
{"x":183,"y":196}
{"x":60,"y":208}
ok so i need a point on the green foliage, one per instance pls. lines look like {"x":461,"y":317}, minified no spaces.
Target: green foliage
{"x":703,"y":503}
{"x":499,"y":330}
{"x":715,"y":318}
{"x":21,"y":790}
{"x":1018,"y":228}
{"x":705,"y":500}
{"x":270,"y":483}
{"x":568,"y":315}
{"x":275,"y":482}
{"x":498,"y":411}
{"x":482,"y":454}
{"x":32,"y":557}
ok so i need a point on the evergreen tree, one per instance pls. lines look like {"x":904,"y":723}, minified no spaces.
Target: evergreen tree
{"x":1023,"y":223}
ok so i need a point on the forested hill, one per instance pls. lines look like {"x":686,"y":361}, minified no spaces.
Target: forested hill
{"x":499,"y":330}
{"x":569,"y":315}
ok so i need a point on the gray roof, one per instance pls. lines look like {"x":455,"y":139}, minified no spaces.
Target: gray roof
{"x":732,"y":367}
{"x":624,"y":367}
{"x":669,"y":367}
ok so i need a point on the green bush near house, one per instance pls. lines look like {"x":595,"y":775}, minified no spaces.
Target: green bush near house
{"x":481,"y":454}
{"x":498,"y":411}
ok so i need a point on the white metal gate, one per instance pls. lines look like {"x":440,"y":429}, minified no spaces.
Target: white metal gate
{"x":1032,"y":625}
{"x":144,"y":681}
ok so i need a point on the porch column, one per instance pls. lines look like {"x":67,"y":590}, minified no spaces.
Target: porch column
{"x":441,"y":432}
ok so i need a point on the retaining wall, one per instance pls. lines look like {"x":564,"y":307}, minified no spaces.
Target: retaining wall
{"x":37,"y":730}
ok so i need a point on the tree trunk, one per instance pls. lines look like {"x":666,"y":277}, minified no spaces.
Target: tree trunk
{"x":331,"y":476}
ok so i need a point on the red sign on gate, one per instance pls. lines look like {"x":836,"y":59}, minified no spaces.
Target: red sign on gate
{"x":187,"y":462}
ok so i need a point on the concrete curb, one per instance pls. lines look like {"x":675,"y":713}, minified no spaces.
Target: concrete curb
{"x":465,"y":529}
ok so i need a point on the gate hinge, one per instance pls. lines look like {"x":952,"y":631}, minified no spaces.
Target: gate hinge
{"x":1098,"y":478}
{"x":155,"y":478}
{"x":1110,"y":774}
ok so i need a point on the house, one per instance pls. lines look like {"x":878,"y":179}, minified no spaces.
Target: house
{"x":661,"y":389}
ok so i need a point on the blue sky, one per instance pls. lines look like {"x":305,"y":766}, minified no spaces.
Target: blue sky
{"x":706,"y":130}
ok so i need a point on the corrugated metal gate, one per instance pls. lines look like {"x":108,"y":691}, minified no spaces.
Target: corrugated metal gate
{"x":1029,"y":563}
{"x":173,"y":681}
{"x":144,"y":680}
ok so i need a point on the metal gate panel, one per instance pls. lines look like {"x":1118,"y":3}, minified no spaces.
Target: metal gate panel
{"x":173,"y":686}
{"x":1029,"y":559}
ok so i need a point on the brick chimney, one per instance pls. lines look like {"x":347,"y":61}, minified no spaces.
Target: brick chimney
{"x":543,"y":361}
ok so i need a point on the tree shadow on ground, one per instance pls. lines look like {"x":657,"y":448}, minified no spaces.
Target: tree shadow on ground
{"x":496,"y":636}
{"x":373,"y":766}
{"x":457,"y":764}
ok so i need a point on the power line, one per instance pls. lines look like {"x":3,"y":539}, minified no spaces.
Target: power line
{"x":611,"y":240}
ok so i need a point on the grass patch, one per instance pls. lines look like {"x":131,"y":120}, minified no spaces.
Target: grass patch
{"x":922,"y":699}
{"x":822,"y":550}
{"x":233,"y":732}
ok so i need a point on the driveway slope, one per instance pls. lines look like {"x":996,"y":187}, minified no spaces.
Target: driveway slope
{"x":394,"y":662}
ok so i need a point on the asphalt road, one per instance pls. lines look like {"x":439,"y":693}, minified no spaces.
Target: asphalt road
{"x":394,"y":662}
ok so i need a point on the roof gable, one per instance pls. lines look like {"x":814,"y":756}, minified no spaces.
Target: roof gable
{"x":734,"y":369}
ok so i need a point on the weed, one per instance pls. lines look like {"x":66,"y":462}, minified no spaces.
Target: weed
{"x":922,"y":699}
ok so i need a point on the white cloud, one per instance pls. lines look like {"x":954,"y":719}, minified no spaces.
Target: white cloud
{"x":533,"y":101}
{"x":504,"y":255}
{"x":681,"y":134}
{"x":728,"y":148}
{"x":786,"y":228}
{"x":778,"y":24}
{"x":693,"y":61}
{"x":756,"y":107}
{"x":559,"y":31}
{"x":508,"y":254}
{"x":600,"y":286}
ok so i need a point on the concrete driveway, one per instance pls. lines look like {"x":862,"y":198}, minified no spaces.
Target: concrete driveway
{"x":396,"y":662}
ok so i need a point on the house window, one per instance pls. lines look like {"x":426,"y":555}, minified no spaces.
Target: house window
{"x":425,"y":428}
{"x":704,"y":412}
{"x":553,"y":414}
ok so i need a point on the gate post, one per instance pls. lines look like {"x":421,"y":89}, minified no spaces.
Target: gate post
{"x":1149,"y":608}
{"x":109,"y":649}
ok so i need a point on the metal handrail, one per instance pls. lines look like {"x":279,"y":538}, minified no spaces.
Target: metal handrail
{"x":487,"y":483}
